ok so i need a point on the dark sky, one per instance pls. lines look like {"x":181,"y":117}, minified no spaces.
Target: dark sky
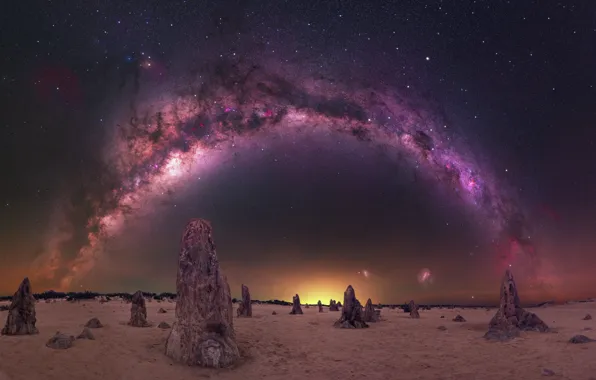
{"x":329,"y":143}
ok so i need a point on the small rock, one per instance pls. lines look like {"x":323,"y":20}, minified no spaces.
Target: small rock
{"x":273,"y":312}
{"x":586,"y":329}
{"x":86,"y":334}
{"x":93,"y":323}
{"x":587,"y":317}
{"x":161,"y":310}
{"x":547,"y":372}
{"x":442,"y":328}
{"x":442,"y":316}
{"x":579,"y":339}
{"x":60,"y":341}
{"x":459,"y":318}
{"x":164,"y":325}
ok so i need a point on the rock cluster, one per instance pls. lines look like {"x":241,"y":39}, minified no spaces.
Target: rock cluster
{"x":203,"y":333}
{"x":511,"y":318}
{"x":351,"y":313}
{"x":21,"y":317}
{"x":370,"y":314}
{"x":296,"y":308}
{"x":333,"y":306}
{"x":245,"y":306}
{"x":413,"y":310}
{"x":138,"y":311}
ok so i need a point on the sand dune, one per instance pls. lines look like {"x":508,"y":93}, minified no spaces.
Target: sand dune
{"x":305,"y":346}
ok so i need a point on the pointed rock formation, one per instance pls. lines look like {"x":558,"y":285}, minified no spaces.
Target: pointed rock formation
{"x":511,"y":318}
{"x":333,"y":306}
{"x":60,"y":341}
{"x":587,"y":317}
{"x":351,"y":313}
{"x":413,"y":310}
{"x":245,"y":307}
{"x":370,"y":314}
{"x":320,"y":305}
{"x":203,"y":333}
{"x":296,"y":308}
{"x":459,"y":318}
{"x":138,"y":311}
{"x":86,"y":334}
{"x":580,"y":339}
{"x":339,"y":305}
{"x":93,"y":323}
{"x":21,"y":312}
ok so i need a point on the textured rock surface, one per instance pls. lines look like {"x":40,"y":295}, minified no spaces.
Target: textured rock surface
{"x":60,"y":341}
{"x":86,"y":334}
{"x":351,"y":312}
{"x":93,"y":323}
{"x":21,"y":317}
{"x":511,"y":318}
{"x":587,"y":317}
{"x":245,"y":307}
{"x":296,"y":308}
{"x":579,"y":339}
{"x":459,"y":318}
{"x":370,"y":314}
{"x":164,"y":325}
{"x":413,"y":309}
{"x":138,"y":311}
{"x":203,"y":333}
{"x":320,"y":305}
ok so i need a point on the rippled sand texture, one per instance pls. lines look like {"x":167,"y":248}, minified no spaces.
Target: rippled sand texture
{"x":305,"y":346}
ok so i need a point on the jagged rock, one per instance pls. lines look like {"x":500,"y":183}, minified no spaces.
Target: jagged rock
{"x":161,"y":310}
{"x":245,"y":307}
{"x":333,"y":306}
{"x":296,"y":308}
{"x":351,"y":313}
{"x":203,"y":333}
{"x":320,"y":305}
{"x":413,"y":310}
{"x":587,"y":317}
{"x":21,"y":317}
{"x":273,"y":312}
{"x":369,"y":312}
{"x":138,"y":311}
{"x":459,"y":318}
{"x":578,"y":339}
{"x":86,"y":334}
{"x":511,"y":318}
{"x":60,"y":341}
{"x":442,"y":328}
{"x":93,"y":323}
{"x":164,"y":325}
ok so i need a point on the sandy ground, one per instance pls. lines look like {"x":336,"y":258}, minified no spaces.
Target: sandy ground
{"x":305,"y":346}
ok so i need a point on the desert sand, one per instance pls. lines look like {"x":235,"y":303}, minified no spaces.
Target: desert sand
{"x":285,"y":346}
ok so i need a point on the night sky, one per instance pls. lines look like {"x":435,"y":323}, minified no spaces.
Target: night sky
{"x":413,"y":149}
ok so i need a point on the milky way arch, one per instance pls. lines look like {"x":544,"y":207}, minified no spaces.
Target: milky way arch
{"x":162,"y":143}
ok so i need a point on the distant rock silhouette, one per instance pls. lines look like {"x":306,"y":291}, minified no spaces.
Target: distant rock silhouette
{"x":93,"y":323}
{"x":138,"y":311}
{"x":60,"y":341}
{"x":296,"y":308}
{"x":245,"y":307}
{"x":459,"y":318}
{"x":320,"y":305}
{"x":579,"y":339}
{"x":511,"y":318}
{"x":164,"y":325}
{"x":413,"y":310}
{"x":333,"y":306}
{"x":370,"y":314}
{"x":339,"y":305}
{"x":21,"y":317}
{"x":307,"y":306}
{"x":203,"y":333}
{"x":587,"y":317}
{"x":86,"y":334}
{"x":351,"y":313}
